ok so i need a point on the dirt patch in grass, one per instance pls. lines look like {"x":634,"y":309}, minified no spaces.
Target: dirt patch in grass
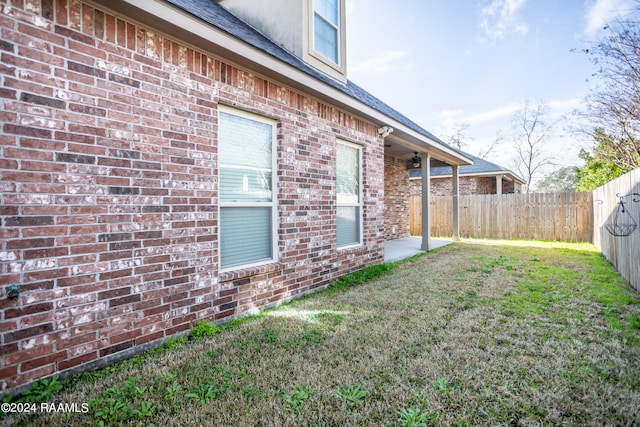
{"x":480,"y":332}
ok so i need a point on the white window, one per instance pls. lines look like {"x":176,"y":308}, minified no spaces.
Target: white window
{"x":349,"y":193}
{"x":326,"y":29}
{"x":246,"y":156}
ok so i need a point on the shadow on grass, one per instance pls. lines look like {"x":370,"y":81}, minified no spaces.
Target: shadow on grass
{"x":472,"y":333}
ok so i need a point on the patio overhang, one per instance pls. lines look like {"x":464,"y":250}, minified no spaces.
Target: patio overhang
{"x":505,"y":174}
{"x":402,"y":145}
{"x":433,"y":153}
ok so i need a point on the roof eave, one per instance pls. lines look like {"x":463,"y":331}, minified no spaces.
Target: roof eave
{"x":507,"y":174}
{"x":159,"y":14}
{"x":420,"y":143}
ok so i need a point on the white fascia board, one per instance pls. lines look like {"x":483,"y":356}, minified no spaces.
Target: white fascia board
{"x":509,"y":176}
{"x":200,"y":34}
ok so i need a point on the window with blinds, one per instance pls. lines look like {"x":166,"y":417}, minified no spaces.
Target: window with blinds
{"x":349,"y":194}
{"x":247,"y":203}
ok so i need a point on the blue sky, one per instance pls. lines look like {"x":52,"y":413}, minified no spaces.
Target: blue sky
{"x":444,"y":63}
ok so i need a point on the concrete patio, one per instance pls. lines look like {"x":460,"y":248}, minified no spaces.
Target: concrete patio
{"x":396,"y":250}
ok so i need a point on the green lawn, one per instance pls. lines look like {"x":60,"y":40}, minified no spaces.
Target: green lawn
{"x":476,"y":333}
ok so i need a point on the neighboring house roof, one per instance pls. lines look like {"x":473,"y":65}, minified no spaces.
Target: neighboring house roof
{"x":480,"y":167}
{"x":216,"y":15}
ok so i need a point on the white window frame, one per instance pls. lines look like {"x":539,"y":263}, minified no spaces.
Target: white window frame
{"x":273,"y":204}
{"x":360,"y":204}
{"x":337,"y":70}
{"x":336,"y":27}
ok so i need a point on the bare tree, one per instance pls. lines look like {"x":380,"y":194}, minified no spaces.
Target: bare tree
{"x":483,"y":154}
{"x":460,"y":140}
{"x":458,"y":136}
{"x":613,"y":107}
{"x":530,"y":132}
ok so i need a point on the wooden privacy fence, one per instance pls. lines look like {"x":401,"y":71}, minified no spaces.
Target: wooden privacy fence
{"x":622,"y":251}
{"x":553,"y":216}
{"x":577,"y":217}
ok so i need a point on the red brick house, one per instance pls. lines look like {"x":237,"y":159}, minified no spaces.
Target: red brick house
{"x":482,"y":177}
{"x":169,"y":161}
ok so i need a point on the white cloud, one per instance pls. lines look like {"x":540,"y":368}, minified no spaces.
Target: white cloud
{"x":557,"y":108}
{"x":501,"y":17}
{"x":386,"y":61}
{"x":452,"y":117}
{"x":603,"y":12}
{"x":485,"y":126}
{"x":564,"y":104}
{"x":350,"y":8}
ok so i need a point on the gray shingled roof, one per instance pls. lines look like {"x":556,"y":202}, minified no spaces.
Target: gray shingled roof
{"x":479,"y":167}
{"x":219,"y":17}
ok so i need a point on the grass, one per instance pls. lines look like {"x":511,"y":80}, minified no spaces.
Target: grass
{"x":477,"y":333}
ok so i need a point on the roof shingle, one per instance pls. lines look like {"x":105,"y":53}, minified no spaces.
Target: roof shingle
{"x":479,"y":167}
{"x":216,"y":15}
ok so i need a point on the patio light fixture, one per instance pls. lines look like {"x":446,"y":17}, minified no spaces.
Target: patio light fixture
{"x":416,"y":161}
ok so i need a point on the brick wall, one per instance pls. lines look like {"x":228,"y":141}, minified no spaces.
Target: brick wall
{"x":396,"y":198}
{"x":108,"y":169}
{"x":468,"y":186}
{"x":509,"y":187}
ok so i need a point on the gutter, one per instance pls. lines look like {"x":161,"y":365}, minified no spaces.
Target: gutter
{"x":169,"y":20}
{"x":508,"y":175}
